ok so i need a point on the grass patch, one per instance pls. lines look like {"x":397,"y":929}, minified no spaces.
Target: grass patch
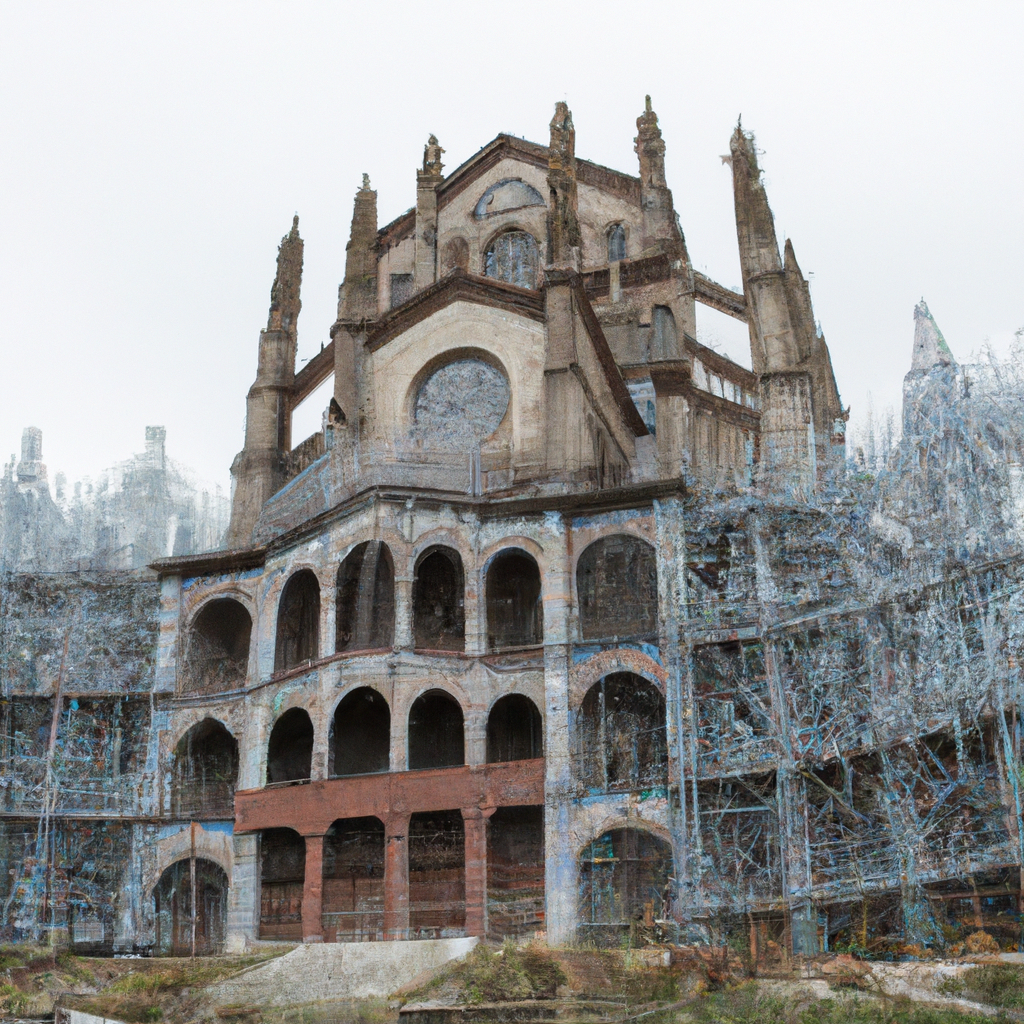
{"x":746,"y":1004}
{"x":999,"y":985}
{"x":510,"y":975}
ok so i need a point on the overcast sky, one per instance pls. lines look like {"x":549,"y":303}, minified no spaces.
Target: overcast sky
{"x":152,"y":155}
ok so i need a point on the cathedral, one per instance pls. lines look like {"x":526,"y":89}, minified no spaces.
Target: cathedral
{"x":564,"y":625}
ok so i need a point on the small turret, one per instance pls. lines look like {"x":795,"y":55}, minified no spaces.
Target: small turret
{"x":563,"y":210}
{"x":357,"y":297}
{"x":259,"y":468}
{"x":661,"y":231}
{"x":427,"y":181}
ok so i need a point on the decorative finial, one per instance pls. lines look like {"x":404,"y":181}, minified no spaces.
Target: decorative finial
{"x":432,"y":157}
{"x":366,"y":180}
{"x":647,"y":104}
{"x":295,"y":224}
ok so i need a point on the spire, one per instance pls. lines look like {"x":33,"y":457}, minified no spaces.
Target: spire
{"x":930,"y":348}
{"x":650,"y":147}
{"x":563,"y":212}
{"x":661,"y":231}
{"x":358,"y":294}
{"x":285,"y":303}
{"x":755,"y":225}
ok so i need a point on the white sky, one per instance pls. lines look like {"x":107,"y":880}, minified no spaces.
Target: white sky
{"x":152,"y":155}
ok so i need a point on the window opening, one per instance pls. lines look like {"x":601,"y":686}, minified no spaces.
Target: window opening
{"x":515,"y":731}
{"x":298,"y":622}
{"x":436,"y":737}
{"x":290,"y":751}
{"x":362,"y":734}
{"x":439,"y":619}
{"x":366,"y":598}
{"x":513,"y":258}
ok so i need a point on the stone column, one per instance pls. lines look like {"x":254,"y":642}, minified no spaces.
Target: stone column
{"x":403,"y":612}
{"x":396,"y":876}
{"x":243,"y":893}
{"x":559,"y":848}
{"x":313,"y":891}
{"x":474,"y":822}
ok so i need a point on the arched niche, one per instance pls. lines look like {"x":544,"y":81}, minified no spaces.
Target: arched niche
{"x":290,"y":750}
{"x":217,"y":648}
{"x":173,"y":905}
{"x":205,"y":773}
{"x":298,"y":622}
{"x":621,"y":742}
{"x":439,"y":614}
{"x":361,"y":734}
{"x":436,"y":731}
{"x":617,"y":588}
{"x":515,"y":612}
{"x":625,"y":880}
{"x":515,"y":731}
{"x":365,"y":600}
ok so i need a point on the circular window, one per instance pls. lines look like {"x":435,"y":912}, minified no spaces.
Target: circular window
{"x":461,"y":403}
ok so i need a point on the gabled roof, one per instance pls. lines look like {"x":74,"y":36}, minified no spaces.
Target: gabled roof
{"x":502,"y":147}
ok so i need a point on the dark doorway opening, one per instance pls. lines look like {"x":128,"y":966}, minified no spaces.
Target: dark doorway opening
{"x":217,"y":652}
{"x":436,"y":735}
{"x":362,"y":734}
{"x":173,"y":896}
{"x":298,"y":622}
{"x":621,"y":740}
{"x":515,"y":872}
{"x":205,"y":773}
{"x":625,"y":882}
{"x":353,"y":895}
{"x":515,"y":731}
{"x":290,"y":750}
{"x":437,"y":875}
{"x":366,"y":599}
{"x":282,"y":877}
{"x":515,"y":612}
{"x":439,"y":615}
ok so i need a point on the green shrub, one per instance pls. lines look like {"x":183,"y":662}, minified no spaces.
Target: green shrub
{"x":996,"y":984}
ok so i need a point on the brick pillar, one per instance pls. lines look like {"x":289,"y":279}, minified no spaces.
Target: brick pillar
{"x":313,"y":890}
{"x":396,"y":876}
{"x":475,"y":823}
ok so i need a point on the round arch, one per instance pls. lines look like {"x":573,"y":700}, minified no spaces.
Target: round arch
{"x":607,"y":568}
{"x":436,"y":732}
{"x":217,"y":644}
{"x":298,"y":621}
{"x":174,"y":902}
{"x":290,"y":747}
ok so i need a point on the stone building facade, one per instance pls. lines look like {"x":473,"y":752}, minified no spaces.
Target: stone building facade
{"x":563,"y":624}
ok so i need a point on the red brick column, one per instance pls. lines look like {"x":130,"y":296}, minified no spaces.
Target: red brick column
{"x":396,"y":876}
{"x":475,"y":823}
{"x":313,"y":890}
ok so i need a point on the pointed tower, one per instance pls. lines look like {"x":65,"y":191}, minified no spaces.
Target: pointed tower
{"x":427,"y":181}
{"x":259,"y":468}
{"x":661,"y":232}
{"x":802,"y":419}
{"x":932,"y":389}
{"x":563,"y":207}
{"x":357,"y":298}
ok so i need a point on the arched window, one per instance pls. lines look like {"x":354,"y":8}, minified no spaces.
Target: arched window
{"x":173,"y":899}
{"x":290,"y":750}
{"x":515,"y":613}
{"x":217,"y":649}
{"x":617,"y":584}
{"x":616,"y":243}
{"x":439,"y":614}
{"x":664,"y":340}
{"x":298,"y":622}
{"x":621,"y":743}
{"x":362,"y":734}
{"x":205,"y":773}
{"x":366,"y":598}
{"x":515,"y":731}
{"x":436,"y":738}
{"x":282,"y":879}
{"x":624,"y":875}
{"x":513,"y":258}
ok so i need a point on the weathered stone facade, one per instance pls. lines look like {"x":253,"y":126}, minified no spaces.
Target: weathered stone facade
{"x":563,"y":623}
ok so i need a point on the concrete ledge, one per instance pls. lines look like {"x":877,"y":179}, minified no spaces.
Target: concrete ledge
{"x":338,"y":970}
